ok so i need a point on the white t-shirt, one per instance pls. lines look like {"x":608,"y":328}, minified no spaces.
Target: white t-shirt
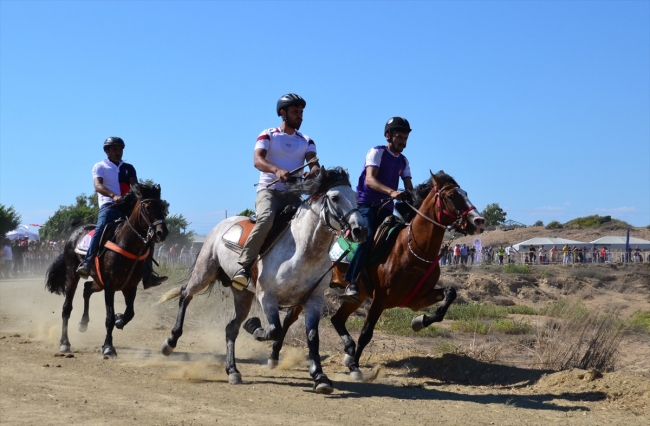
{"x":285,"y":151}
{"x":115,"y":178}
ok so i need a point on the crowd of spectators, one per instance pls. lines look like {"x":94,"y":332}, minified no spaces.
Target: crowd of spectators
{"x":538,"y":255}
{"x":22,"y":257}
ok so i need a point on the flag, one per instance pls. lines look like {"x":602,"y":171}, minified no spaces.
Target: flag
{"x":34,"y":224}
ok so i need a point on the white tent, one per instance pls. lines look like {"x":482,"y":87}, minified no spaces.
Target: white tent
{"x":618,"y":243}
{"x":22,"y":232}
{"x":549,"y":243}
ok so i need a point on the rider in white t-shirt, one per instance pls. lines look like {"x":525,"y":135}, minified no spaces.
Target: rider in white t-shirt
{"x":277,"y":151}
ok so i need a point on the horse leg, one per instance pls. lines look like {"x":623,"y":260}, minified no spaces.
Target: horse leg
{"x":71,"y":288}
{"x":243,"y":302}
{"x":254,"y":325}
{"x":338,"y":321}
{"x":374,"y":313}
{"x":312,"y":317}
{"x":422,"y":321}
{"x":89,"y":289}
{"x":203,"y":274}
{"x":129,"y":312}
{"x":289,"y":319}
{"x":108,"y":351}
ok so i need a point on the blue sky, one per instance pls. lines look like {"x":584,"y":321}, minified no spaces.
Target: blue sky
{"x":541,"y":107}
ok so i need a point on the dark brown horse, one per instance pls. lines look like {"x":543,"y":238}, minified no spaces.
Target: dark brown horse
{"x":118,"y":266}
{"x":407,"y":275}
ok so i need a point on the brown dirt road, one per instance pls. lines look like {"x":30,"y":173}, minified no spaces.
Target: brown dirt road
{"x":191,"y":388}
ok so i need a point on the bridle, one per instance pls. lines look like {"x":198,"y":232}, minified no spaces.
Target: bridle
{"x":330,"y":212}
{"x":441,"y":210}
{"x":151,"y":226}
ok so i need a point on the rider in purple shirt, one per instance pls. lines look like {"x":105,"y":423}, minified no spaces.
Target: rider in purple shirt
{"x":377,"y":188}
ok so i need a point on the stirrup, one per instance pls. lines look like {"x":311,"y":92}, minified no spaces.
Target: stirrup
{"x":241,"y":279}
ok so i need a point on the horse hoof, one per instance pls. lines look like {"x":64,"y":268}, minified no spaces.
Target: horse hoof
{"x":252,"y":324}
{"x":64,"y":349}
{"x":356,"y":375}
{"x":272,"y":363}
{"x":109,"y":352}
{"x":417,"y":323}
{"x":347,"y":360}
{"x":323,"y":388}
{"x":167,"y":348}
{"x":234,"y":378}
{"x":119,"y":321}
{"x":83,"y":327}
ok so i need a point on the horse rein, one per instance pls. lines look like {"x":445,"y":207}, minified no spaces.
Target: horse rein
{"x":151,"y":230}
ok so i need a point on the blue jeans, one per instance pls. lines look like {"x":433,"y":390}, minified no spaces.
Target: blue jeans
{"x":374,"y":216}
{"x":106,"y":216}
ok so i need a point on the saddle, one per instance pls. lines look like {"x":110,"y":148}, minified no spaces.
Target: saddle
{"x":383,"y":242}
{"x":235,"y":237}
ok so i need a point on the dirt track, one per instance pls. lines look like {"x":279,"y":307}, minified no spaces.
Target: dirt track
{"x":143,"y":387}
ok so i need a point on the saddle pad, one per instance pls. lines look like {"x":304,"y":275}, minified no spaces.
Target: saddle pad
{"x":339,"y":246}
{"x":235,"y":237}
{"x":84,"y":243}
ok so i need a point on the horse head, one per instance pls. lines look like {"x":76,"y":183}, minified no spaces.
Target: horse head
{"x":451,"y":204}
{"x":337,"y":199}
{"x":150,"y":211}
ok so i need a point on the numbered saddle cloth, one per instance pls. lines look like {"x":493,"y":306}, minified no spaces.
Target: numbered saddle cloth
{"x":84,"y":243}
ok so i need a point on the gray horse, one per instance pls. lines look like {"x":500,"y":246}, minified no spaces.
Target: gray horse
{"x":294,"y":272}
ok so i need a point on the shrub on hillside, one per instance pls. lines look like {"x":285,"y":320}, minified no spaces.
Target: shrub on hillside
{"x":554,"y":225}
{"x":596,"y":221}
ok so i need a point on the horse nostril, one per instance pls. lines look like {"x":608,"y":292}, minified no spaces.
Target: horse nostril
{"x":479,"y":221}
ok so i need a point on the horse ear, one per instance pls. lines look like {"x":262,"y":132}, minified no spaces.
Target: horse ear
{"x":157,"y":188}
{"x":137,"y":190}
{"x":323,"y":172}
{"x":433,"y":177}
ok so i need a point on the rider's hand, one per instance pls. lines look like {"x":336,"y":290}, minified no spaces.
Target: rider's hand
{"x":312,"y":173}
{"x":282,"y":174}
{"x":397,"y":195}
{"x":116,"y":198}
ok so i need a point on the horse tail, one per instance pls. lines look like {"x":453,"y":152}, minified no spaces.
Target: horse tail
{"x":55,"y":276}
{"x":172,"y":294}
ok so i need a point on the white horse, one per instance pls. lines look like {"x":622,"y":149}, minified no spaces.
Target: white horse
{"x":294,"y":272}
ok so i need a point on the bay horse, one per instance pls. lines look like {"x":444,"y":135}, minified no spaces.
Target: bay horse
{"x":405,"y":276}
{"x":117,"y":267}
{"x":295,"y":271}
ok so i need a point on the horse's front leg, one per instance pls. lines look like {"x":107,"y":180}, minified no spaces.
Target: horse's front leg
{"x":129,"y":298}
{"x":289,"y":319}
{"x":89,"y":289}
{"x":108,"y":351}
{"x":313,"y":312}
{"x":338,"y":321}
{"x":422,"y":321}
{"x":243,"y":302}
{"x":374,"y":313}
{"x":274,"y":330}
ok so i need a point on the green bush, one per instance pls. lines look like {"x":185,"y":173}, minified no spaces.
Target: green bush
{"x":479,"y":311}
{"x":508,"y":326}
{"x":640,"y":322}
{"x":565,"y":308}
{"x":464,"y":326}
{"x":516,"y":268}
{"x":398,"y":321}
{"x":554,"y":225}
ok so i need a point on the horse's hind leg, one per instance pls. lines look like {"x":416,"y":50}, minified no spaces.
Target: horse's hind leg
{"x":203,"y":274}
{"x":422,"y":321}
{"x":129,"y":312}
{"x":312,"y":317}
{"x":338,"y":321}
{"x":243,"y":302}
{"x":108,"y":351}
{"x":289,"y":319}
{"x":89,"y":289}
{"x":70,"y":290}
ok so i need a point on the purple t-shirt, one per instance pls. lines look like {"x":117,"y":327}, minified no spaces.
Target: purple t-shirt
{"x":391,"y":168}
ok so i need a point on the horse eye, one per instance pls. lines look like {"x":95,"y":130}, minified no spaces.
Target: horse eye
{"x":334,"y":198}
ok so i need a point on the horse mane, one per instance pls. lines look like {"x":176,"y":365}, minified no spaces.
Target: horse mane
{"x":126,"y":204}
{"x":317,"y":186}
{"x":421,"y":192}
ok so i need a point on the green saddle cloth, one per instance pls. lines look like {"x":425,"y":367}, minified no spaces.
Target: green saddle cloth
{"x":340,"y":245}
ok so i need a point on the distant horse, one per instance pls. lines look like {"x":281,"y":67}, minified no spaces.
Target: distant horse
{"x":118,"y":267}
{"x":407,"y":275}
{"x":294,"y":272}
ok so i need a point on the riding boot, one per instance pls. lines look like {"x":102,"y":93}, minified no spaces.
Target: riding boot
{"x":83,"y":270}
{"x":149,"y":277}
{"x":242,"y":278}
{"x":351,"y":293}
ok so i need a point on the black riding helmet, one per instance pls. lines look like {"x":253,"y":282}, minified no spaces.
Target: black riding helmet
{"x":395,"y":123}
{"x":288,"y":100}
{"x":113,"y":140}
